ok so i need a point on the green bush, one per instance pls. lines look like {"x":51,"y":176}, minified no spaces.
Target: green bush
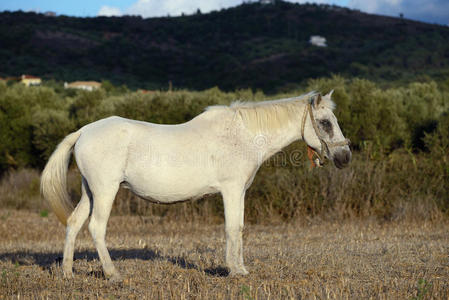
{"x":33,"y":120}
{"x":386,"y":118}
{"x":49,"y":128}
{"x":400,"y":137}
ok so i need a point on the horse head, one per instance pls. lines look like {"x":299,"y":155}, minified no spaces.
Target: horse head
{"x":322,"y":132}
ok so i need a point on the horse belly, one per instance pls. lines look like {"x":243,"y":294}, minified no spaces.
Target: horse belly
{"x":171,"y":165}
{"x":167,"y":185}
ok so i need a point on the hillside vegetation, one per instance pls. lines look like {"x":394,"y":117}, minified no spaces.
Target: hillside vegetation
{"x":400,"y":138}
{"x":252,"y":45}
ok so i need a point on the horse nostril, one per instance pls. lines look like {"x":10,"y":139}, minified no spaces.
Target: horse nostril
{"x":348,"y":155}
{"x":342,"y":158}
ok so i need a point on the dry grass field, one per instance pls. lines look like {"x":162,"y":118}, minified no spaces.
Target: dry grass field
{"x":172,"y":260}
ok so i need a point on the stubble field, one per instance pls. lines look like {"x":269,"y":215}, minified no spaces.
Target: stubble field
{"x":161,"y":259}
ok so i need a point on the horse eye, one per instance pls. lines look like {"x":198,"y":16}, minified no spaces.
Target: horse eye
{"x":326,"y":125}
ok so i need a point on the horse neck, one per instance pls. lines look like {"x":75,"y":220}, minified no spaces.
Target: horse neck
{"x":284,"y":136}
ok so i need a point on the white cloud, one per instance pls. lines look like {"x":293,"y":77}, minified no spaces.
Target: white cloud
{"x":109,"y":11}
{"x":313,"y":1}
{"x":434,"y":11}
{"x":157,"y":8}
{"x":375,"y":6}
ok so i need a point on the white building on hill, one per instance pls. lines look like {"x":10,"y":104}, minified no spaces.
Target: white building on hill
{"x":83,"y":85}
{"x":317,"y":40}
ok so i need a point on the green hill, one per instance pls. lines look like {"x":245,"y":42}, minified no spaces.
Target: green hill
{"x":252,"y":45}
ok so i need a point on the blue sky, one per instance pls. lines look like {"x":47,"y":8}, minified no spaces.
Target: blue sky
{"x":432,"y":11}
{"x":63,"y":7}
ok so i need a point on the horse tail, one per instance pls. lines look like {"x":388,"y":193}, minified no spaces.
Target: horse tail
{"x":54,"y":178}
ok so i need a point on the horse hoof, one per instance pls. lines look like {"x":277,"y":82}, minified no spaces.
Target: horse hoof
{"x":238,"y":272}
{"x":68,"y":274}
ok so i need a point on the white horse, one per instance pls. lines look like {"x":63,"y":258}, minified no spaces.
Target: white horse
{"x":219,"y":151}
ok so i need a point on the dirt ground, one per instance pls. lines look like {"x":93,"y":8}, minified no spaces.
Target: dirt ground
{"x":174,"y":260}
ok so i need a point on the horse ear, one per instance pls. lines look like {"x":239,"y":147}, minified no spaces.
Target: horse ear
{"x":316,"y":101}
{"x":329,"y":94}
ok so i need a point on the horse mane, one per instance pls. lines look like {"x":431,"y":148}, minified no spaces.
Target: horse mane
{"x":267,"y":116}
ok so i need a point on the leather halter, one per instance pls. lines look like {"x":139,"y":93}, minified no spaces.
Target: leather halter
{"x":325,"y":146}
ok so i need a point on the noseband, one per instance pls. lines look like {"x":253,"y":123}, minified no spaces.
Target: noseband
{"x":325,"y":146}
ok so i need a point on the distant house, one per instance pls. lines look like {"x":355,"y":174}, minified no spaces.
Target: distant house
{"x":83,"y":85}
{"x":30,"y":80}
{"x":317,"y":40}
{"x":50,"y":14}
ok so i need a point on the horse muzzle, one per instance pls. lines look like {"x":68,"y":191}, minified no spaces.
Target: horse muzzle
{"x":342,"y":158}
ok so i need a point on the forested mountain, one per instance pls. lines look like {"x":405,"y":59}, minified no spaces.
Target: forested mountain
{"x":252,"y":45}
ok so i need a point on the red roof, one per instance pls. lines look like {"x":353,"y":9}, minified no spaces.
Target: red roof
{"x":29,"y":77}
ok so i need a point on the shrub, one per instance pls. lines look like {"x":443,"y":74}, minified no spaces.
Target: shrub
{"x":49,"y":128}
{"x":400,"y":137}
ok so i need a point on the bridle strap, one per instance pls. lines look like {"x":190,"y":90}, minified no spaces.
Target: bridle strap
{"x":304,"y":117}
{"x":324,"y":145}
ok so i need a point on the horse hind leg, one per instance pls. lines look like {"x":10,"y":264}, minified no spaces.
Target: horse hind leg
{"x":102,"y":206}
{"x":74,"y":224}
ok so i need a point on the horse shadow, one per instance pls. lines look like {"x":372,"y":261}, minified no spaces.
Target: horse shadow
{"x":48,"y":261}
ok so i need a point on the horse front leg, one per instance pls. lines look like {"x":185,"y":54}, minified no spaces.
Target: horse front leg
{"x":233,"y":199}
